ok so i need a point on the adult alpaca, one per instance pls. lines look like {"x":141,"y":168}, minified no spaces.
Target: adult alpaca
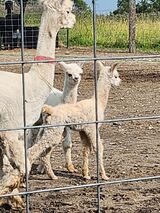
{"x":56,"y":14}
{"x":82,"y":111}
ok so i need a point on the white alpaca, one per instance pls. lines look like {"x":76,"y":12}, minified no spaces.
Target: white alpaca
{"x":56,"y":14}
{"x":83,"y":111}
{"x":72,"y":79}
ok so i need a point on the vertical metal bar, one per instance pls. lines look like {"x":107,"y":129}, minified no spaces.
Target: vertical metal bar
{"x":24,"y":100}
{"x":96,"y":102}
{"x":67,"y":38}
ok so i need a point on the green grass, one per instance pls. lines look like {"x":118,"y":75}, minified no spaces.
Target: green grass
{"x":32,"y":19}
{"x":148,"y":34}
{"x":111,"y":32}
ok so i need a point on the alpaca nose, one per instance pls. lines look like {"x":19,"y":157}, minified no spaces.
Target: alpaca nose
{"x":76,"y":78}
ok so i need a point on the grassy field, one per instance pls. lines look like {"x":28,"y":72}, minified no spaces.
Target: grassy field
{"x":112,"y":33}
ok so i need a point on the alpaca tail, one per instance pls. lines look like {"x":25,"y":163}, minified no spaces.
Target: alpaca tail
{"x":47,"y":109}
{"x":46,"y":114}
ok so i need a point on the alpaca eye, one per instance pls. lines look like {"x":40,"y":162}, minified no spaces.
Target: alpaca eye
{"x":67,"y":12}
{"x":69,"y":75}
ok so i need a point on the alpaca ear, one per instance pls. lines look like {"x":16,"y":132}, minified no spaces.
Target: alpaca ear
{"x":61,"y":2}
{"x":113,"y":66}
{"x":63,"y":65}
{"x":67,"y":2}
{"x":50,"y":4}
{"x":80,"y":63}
{"x":45,"y":4}
{"x":100,"y":65}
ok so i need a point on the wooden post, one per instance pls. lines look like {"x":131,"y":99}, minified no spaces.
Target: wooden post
{"x":132,"y":26}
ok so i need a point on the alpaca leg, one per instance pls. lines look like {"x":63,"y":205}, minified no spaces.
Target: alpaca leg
{"x":47,"y":165}
{"x":91,"y":134}
{"x":44,"y":143}
{"x":86,"y":152}
{"x":100,"y":154}
{"x":102,"y":170}
{"x":67,"y":147}
{"x":6,"y":165}
{"x":10,"y":181}
{"x":16,"y":201}
{"x":85,"y":170}
{"x":14,"y":155}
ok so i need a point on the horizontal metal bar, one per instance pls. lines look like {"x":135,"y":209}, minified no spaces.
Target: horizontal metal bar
{"x":113,"y":182}
{"x":84,"y":59}
{"x":156,"y":117}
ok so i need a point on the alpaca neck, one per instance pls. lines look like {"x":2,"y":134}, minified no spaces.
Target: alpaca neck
{"x":46,"y":47}
{"x":41,"y":75}
{"x":69,"y":94}
{"x":46,"y":38}
{"x":103,"y":88}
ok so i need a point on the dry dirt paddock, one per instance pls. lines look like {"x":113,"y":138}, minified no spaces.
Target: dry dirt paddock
{"x":131,"y":149}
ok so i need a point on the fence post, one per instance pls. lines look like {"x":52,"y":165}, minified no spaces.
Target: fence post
{"x":132,"y":26}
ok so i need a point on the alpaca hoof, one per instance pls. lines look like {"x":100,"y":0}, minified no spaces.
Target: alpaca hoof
{"x":87,"y":177}
{"x":3,"y":202}
{"x":104,"y":177}
{"x":53,"y":176}
{"x":18,"y":206}
{"x":17,"y":203}
{"x":22,"y":185}
{"x":71,"y":168}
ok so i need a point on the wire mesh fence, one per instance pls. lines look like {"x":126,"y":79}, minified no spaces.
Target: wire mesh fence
{"x":55,"y":192}
{"x":10,"y":24}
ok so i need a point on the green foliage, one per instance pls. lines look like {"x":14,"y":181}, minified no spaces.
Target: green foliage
{"x":32,"y":19}
{"x":81,"y":6}
{"x":122,"y":7}
{"x":143,"y":6}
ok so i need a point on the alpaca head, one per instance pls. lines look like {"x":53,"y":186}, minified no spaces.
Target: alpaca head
{"x":59,"y":13}
{"x":73,"y":73}
{"x":111,"y":73}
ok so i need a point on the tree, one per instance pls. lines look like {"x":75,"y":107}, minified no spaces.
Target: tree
{"x":144,"y":6}
{"x":132,"y":26}
{"x":81,"y":6}
{"x":122,"y":7}
{"x":155,"y":5}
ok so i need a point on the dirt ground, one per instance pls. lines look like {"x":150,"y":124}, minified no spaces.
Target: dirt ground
{"x":131,"y":149}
